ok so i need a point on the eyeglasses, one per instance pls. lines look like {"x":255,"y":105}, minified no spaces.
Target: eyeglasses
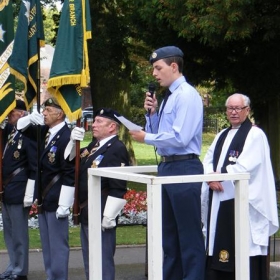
{"x":237,"y":109}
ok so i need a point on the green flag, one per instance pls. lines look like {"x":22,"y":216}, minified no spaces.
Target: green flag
{"x":29,"y":38}
{"x":7,"y":95}
{"x":70,"y":70}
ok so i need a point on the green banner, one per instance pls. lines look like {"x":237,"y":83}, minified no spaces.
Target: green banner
{"x":70,"y":70}
{"x":29,"y":38}
{"x":7,"y":94}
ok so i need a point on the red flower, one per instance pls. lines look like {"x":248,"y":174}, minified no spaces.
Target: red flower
{"x":136,"y":201}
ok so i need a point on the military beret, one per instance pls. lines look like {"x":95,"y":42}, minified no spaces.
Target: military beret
{"x":20,"y":105}
{"x":165,"y":52}
{"x":52,"y":103}
{"x":107,"y":113}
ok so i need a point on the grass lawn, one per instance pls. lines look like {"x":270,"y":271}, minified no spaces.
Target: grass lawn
{"x":145,"y":155}
{"x":126,"y":235}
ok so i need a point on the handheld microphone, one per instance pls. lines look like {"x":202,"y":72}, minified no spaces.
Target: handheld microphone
{"x":151,"y":90}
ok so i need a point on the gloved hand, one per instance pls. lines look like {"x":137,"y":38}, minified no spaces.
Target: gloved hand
{"x":29,"y":191}
{"x":62,"y":212}
{"x":34,"y":118}
{"x":3,"y":124}
{"x":78,"y":134}
{"x":66,"y":199}
{"x":112,"y":208}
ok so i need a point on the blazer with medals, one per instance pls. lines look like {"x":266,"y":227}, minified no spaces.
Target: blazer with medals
{"x":55,"y":170}
{"x":112,"y":153}
{"x":19,"y":164}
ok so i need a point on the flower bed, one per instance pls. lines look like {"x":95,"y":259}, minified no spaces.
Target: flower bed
{"x":133,"y":213}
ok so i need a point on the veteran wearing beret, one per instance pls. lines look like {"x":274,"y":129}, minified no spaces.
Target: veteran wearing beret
{"x":176,"y":132}
{"x":19,"y":172}
{"x":56,"y":186}
{"x":106,"y":150}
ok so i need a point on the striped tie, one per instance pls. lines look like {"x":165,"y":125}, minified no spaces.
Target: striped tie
{"x":95,"y":147}
{"x":47,"y":139}
{"x":11,"y":136}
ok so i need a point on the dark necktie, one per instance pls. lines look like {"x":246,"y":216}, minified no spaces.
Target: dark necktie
{"x":47,"y":139}
{"x":167,"y":94}
{"x":11,"y":136}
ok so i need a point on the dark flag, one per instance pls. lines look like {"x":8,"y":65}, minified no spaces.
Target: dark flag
{"x":7,"y":94}
{"x":29,"y":38}
{"x":70,"y":70}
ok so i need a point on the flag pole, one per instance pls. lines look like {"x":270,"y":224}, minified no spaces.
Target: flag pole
{"x":1,"y":163}
{"x":76,"y":208}
{"x":38,"y":98}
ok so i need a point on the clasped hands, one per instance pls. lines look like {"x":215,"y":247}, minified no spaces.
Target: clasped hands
{"x":215,"y":185}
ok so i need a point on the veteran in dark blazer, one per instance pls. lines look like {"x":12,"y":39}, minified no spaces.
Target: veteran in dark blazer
{"x":55,"y":190}
{"x":18,"y":171}
{"x":106,"y":150}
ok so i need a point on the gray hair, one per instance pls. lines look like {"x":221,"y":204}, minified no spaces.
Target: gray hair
{"x":245,"y":98}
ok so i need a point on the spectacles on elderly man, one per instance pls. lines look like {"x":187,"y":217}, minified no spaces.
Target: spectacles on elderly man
{"x":236,"y":109}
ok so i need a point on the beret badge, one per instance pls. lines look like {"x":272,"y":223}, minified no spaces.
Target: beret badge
{"x":154,"y":55}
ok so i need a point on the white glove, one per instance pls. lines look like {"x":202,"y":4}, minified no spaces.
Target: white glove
{"x":29,"y":191}
{"x":112,"y":208}
{"x":34,"y":118}
{"x":3,"y":124}
{"x":77,"y":134}
{"x":66,"y":199}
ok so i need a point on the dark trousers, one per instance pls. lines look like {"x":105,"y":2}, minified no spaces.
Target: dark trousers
{"x":258,"y":270}
{"x":183,"y":244}
{"x":108,"y":252}
{"x":54,"y":238}
{"x":15,"y":222}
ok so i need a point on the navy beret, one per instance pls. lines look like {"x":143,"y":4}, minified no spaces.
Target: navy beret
{"x":20,"y":105}
{"x":165,"y":52}
{"x":107,"y":113}
{"x":52,"y":103}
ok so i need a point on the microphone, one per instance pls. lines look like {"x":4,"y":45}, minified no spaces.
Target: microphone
{"x":151,"y":90}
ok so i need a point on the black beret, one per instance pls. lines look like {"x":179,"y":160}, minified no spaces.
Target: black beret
{"x":107,"y":113}
{"x":165,"y":52}
{"x":20,"y":105}
{"x":52,"y":103}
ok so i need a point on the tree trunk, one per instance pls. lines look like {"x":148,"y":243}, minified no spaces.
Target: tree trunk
{"x":269,"y":116}
{"x":112,"y":93}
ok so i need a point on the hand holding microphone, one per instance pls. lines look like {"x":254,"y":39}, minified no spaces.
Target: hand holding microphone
{"x":150,"y":103}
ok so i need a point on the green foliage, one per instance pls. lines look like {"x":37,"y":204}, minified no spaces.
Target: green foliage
{"x":138,"y":115}
{"x":50,"y":25}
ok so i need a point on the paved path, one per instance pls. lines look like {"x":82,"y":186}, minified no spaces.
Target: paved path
{"x":130,"y":264}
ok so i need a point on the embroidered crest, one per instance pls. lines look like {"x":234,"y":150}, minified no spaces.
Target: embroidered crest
{"x":224,"y":256}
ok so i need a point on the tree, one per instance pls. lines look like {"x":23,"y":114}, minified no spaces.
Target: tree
{"x":233,"y":43}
